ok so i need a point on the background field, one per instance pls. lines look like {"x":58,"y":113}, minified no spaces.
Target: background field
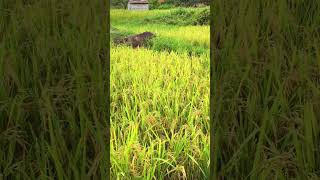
{"x":160,"y":99}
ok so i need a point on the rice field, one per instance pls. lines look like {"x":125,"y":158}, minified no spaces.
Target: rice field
{"x":265,"y":90}
{"x":53,"y":90}
{"x":264,"y":98}
{"x":160,"y":101}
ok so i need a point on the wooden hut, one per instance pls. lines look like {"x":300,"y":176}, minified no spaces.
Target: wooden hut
{"x":138,"y":5}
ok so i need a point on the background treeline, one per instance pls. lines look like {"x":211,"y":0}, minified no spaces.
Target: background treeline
{"x":154,"y":4}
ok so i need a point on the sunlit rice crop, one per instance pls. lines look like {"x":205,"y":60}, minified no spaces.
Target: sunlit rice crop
{"x":159,"y":114}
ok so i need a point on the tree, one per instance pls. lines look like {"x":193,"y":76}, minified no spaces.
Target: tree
{"x":119,"y":3}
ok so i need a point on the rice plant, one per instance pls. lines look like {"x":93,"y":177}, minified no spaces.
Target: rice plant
{"x":53,"y":90}
{"x":265,"y":90}
{"x":160,"y":101}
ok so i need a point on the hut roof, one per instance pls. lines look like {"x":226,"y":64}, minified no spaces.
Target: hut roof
{"x":138,"y":1}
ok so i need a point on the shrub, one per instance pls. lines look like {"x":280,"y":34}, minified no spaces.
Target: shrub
{"x":165,"y":6}
{"x":154,"y":4}
{"x":183,"y":17}
{"x":187,"y":3}
{"x":121,"y":4}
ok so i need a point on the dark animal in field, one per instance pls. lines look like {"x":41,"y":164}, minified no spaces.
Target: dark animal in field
{"x":136,"y":40}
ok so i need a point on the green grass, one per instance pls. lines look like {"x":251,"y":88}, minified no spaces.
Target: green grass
{"x":160,"y":101}
{"x":191,"y":39}
{"x":182,"y":17}
{"x":53,"y":90}
{"x":265,"y":90}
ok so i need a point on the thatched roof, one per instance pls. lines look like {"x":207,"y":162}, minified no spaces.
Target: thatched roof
{"x":138,"y":1}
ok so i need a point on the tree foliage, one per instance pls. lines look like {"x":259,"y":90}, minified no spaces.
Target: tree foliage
{"x":119,"y":4}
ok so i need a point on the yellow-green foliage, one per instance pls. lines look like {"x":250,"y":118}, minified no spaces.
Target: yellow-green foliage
{"x":125,"y":15}
{"x":198,"y":35}
{"x":132,"y":21}
{"x":160,"y":107}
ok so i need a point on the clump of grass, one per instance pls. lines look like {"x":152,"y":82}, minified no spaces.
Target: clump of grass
{"x":165,"y":6}
{"x":116,"y":33}
{"x":180,"y":46}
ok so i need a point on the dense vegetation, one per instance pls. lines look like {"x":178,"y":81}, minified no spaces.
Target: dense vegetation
{"x":265,"y":104}
{"x":265,"y":89}
{"x":170,"y":36}
{"x":160,"y":100}
{"x":53,"y":92}
{"x":183,"y":17}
